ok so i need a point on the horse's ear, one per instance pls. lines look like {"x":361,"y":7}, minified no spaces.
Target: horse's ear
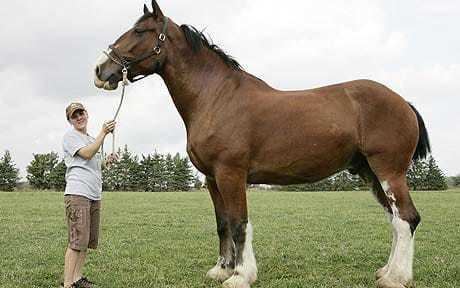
{"x":146,"y":10}
{"x":156,"y":9}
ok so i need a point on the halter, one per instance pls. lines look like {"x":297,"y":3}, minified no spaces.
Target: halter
{"x":126,"y":63}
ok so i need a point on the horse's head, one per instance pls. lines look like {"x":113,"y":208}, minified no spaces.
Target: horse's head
{"x":138,"y":52}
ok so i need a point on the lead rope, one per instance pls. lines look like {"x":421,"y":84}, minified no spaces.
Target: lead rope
{"x":124,"y":83}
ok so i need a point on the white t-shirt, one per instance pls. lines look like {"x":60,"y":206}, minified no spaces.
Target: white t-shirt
{"x":83,"y":177}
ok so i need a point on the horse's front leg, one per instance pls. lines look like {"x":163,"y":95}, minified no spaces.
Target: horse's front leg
{"x":231,"y":183}
{"x":226,"y":262}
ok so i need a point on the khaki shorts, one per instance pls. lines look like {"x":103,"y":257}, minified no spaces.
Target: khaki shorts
{"x":83,"y":217}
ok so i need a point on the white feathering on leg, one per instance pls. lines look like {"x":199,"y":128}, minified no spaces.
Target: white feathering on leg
{"x":245,"y":273}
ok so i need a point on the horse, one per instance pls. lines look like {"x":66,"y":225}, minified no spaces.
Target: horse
{"x":241,"y":131}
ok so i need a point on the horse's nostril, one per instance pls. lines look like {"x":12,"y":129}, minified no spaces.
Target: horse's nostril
{"x":97,"y":71}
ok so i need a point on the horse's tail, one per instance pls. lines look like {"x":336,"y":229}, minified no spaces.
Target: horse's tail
{"x":423,"y":144}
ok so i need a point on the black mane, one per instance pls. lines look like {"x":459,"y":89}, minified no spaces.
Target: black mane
{"x":198,"y":40}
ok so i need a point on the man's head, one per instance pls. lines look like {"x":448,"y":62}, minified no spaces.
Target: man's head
{"x":77,"y":116}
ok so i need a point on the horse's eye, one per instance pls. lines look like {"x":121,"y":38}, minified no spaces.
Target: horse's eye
{"x":139,"y":30}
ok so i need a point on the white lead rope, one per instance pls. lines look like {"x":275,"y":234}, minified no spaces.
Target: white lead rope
{"x":124,"y":83}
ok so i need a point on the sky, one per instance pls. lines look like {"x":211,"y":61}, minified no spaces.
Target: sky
{"x":49,"y":48}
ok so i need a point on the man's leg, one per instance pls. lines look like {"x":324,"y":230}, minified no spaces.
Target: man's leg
{"x":78,"y":220}
{"x":71,"y":259}
{"x":78,"y":266}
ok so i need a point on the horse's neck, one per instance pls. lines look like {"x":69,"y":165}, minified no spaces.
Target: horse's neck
{"x":196,"y":81}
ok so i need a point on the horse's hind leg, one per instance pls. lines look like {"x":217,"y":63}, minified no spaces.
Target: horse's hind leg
{"x":226,"y":261}
{"x":405,"y":218}
{"x":367,"y":175}
{"x":383,"y":200}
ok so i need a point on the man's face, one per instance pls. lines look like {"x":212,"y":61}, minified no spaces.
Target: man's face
{"x":79,"y":119}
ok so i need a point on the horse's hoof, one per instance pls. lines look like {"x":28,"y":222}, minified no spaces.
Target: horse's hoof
{"x":252,"y":277}
{"x":219,"y":274}
{"x":381,"y":272}
{"x":386,"y":282}
{"x":236,"y":281}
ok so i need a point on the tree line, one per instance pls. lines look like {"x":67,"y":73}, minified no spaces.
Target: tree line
{"x":422,"y":175}
{"x":157,"y":172}
{"x":153,"y":172}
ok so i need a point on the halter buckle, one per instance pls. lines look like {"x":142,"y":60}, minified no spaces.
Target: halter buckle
{"x":157,"y":50}
{"x":125,"y":76}
{"x":162,"y":37}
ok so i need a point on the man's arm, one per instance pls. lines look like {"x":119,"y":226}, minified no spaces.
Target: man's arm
{"x":89,"y":151}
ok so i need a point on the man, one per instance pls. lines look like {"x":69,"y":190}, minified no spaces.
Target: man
{"x":83,"y":190}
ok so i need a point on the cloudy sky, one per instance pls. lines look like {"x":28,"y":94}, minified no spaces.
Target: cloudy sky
{"x":48,"y":50}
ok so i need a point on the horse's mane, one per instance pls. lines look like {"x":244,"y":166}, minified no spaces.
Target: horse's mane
{"x":198,"y":40}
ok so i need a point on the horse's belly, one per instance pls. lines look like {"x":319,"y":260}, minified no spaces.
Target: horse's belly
{"x":305,"y":163}
{"x":306,"y":174}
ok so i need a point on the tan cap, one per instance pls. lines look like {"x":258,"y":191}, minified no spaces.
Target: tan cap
{"x":72,"y":108}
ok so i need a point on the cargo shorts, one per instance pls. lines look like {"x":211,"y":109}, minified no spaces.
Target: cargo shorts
{"x":83,"y":217}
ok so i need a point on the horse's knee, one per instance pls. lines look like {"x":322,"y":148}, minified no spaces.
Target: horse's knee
{"x":401,"y":204}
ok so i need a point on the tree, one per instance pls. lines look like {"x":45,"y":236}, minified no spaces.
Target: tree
{"x":40,"y":169}
{"x":182,"y":174}
{"x":169,"y":173}
{"x":417,"y":174}
{"x":152,"y":172}
{"x":9,"y":174}
{"x":426,"y":175}
{"x":57,"y":176}
{"x":435,"y":178}
{"x":122,"y":175}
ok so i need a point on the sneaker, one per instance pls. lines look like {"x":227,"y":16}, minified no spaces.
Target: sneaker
{"x":71,"y":286}
{"x":83,"y":282}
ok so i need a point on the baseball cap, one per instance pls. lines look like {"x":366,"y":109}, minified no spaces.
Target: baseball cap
{"x":72,"y":108}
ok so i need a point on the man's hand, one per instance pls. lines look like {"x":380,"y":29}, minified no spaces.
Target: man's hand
{"x":112,"y":158}
{"x":108,"y":127}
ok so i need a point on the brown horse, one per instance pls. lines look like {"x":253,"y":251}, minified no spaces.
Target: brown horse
{"x":240,"y":130}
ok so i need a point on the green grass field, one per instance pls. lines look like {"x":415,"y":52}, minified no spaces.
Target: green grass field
{"x":169,"y":239}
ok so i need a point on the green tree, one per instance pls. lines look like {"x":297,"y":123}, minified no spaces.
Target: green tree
{"x":416,"y":176}
{"x":122,"y":175}
{"x":40,"y":168}
{"x":169,"y":166}
{"x":182,"y":174}
{"x":151,"y":173}
{"x":57,"y":176}
{"x":435,"y":178}
{"x":9,"y":174}
{"x":426,"y":175}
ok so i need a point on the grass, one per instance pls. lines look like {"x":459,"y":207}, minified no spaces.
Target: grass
{"x":169,"y":239}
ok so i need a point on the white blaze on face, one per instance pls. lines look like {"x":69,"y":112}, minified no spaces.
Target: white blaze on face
{"x":103,"y":58}
{"x":98,"y":82}
{"x":399,"y":267}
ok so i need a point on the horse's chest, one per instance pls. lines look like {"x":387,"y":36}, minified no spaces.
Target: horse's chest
{"x":199,"y":157}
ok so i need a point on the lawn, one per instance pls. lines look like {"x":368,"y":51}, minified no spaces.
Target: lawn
{"x":306,"y":239}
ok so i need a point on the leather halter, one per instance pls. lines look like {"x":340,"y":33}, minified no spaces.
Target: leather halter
{"x":127,"y":63}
